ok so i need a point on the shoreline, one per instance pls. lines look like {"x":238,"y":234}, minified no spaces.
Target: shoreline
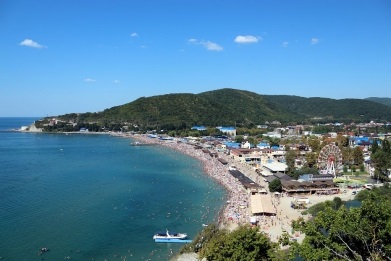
{"x":213,"y":169}
{"x":234,"y":210}
{"x":237,"y":210}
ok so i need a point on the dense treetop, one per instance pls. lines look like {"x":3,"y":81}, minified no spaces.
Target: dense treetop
{"x":230,"y":107}
{"x":344,"y":110}
{"x":385,"y":101}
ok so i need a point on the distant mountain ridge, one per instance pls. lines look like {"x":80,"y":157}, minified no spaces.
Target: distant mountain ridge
{"x":231,"y":107}
{"x":343,"y":110}
{"x":385,"y":101}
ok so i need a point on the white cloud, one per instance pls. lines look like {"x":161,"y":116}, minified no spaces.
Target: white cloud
{"x":116,"y":81}
{"x":134,"y":34}
{"x":89,"y":80}
{"x":245,"y":39}
{"x":315,"y":41}
{"x":211,"y":46}
{"x":31,"y":43}
{"x":285,"y":44}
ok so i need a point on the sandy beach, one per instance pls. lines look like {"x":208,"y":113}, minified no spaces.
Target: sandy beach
{"x":237,"y":208}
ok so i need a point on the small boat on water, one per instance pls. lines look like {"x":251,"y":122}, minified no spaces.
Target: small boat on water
{"x":173,"y":237}
{"x":43,"y":250}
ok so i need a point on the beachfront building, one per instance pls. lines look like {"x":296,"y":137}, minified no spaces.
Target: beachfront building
{"x":263,"y":145}
{"x":248,"y":184}
{"x":316,"y":177}
{"x":305,"y":187}
{"x":310,"y":184}
{"x":232,"y":145}
{"x":221,"y":147}
{"x":247,"y":156}
{"x":279,"y":175}
{"x":262,"y":205}
{"x":278,"y":152}
{"x":306,"y":184}
{"x":272,"y":167}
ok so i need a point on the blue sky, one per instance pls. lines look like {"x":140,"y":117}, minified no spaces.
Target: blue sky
{"x":68,"y":56}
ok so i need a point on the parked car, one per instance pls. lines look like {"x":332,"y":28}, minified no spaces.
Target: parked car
{"x":368,"y":186}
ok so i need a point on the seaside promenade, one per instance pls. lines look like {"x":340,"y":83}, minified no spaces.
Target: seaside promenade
{"x":237,"y":209}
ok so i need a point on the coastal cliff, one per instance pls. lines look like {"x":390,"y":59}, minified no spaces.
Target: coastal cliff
{"x":33,"y":128}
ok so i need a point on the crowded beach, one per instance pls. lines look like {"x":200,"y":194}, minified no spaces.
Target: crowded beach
{"x":238,"y":209}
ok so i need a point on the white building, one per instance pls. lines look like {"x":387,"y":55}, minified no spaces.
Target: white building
{"x":272,"y":167}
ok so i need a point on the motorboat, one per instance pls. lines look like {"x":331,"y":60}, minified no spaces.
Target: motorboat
{"x":167,"y":236}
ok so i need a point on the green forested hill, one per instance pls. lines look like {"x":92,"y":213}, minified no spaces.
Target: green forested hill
{"x":231,"y":107}
{"x":344,"y":110}
{"x":385,"y":101}
{"x":221,"y":107}
{"x":247,"y":107}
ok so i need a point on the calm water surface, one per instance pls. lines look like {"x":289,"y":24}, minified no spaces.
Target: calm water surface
{"x":94,"y":197}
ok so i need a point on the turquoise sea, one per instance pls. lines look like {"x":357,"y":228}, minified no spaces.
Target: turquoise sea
{"x":95,"y":197}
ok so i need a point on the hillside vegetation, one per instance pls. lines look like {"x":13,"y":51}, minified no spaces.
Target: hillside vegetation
{"x":384,"y":101}
{"x":230,"y":107}
{"x":221,"y":107}
{"x":344,"y":110}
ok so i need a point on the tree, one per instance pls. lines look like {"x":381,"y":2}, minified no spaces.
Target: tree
{"x":172,"y":133}
{"x":214,"y":131}
{"x":337,"y":202}
{"x":342,"y":141}
{"x":252,"y":140}
{"x":305,"y":170}
{"x":314,"y":143}
{"x":362,"y":167}
{"x":290,"y":158}
{"x":349,"y":234}
{"x":374,"y":146}
{"x":321,"y":129}
{"x":239,"y":138}
{"x":347,"y":156}
{"x":386,"y":146}
{"x":358,"y":157}
{"x":275,"y":186}
{"x":310,"y":159}
{"x":382,"y":160}
{"x":244,"y":243}
{"x":383,"y":191}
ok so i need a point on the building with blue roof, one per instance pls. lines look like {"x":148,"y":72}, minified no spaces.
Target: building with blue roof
{"x":234,"y":145}
{"x":360,"y":141}
{"x":263,"y":145}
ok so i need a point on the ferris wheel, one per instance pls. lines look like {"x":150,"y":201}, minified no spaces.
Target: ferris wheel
{"x":330,"y":160}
